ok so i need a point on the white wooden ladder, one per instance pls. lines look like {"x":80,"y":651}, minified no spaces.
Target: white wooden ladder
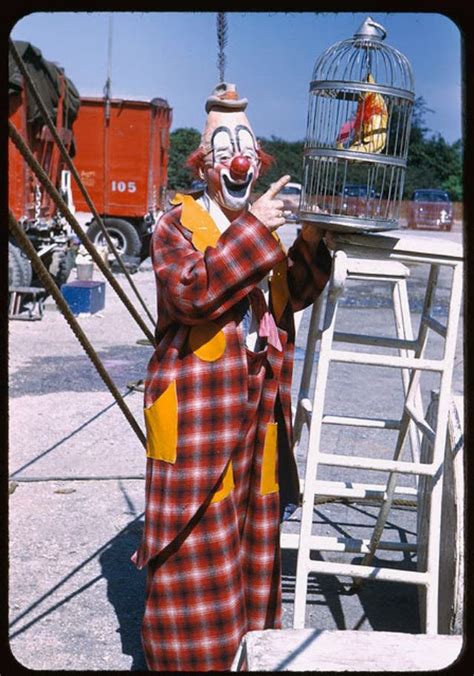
{"x":380,"y":257}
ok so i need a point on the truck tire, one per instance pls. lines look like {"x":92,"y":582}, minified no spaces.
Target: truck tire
{"x":122,"y":233}
{"x":20,"y":272}
{"x":61,"y":265}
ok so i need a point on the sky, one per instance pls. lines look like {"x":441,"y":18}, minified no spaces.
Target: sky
{"x":269,"y":56}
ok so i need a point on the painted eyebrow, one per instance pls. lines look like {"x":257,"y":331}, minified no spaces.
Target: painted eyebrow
{"x":243,"y":127}
{"x":228,"y":132}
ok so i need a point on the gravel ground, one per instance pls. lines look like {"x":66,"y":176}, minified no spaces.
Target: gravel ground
{"x":77,"y":489}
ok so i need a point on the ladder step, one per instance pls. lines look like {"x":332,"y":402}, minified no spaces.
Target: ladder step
{"x":339,"y":544}
{"x":361,"y":422}
{"x":347,"y":489}
{"x":379,"y":423}
{"x":377,"y":464}
{"x":387,"y":360}
{"x":379,"y":341}
{"x":374,"y":572}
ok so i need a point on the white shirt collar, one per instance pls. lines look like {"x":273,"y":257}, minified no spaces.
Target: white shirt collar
{"x":216,"y":213}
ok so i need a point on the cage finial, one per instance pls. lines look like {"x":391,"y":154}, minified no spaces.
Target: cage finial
{"x":372,"y":30}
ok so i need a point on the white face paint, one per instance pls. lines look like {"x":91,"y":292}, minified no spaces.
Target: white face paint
{"x":228,"y":146}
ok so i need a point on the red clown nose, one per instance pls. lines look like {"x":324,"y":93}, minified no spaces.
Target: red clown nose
{"x":239,"y":168}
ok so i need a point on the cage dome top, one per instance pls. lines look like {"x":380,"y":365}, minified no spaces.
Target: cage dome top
{"x":354,"y":59}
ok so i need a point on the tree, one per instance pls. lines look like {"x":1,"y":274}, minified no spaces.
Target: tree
{"x":183,"y":142}
{"x":432,"y":162}
{"x":288,"y":159}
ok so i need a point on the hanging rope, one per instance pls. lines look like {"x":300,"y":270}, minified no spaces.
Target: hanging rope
{"x":108,"y":82}
{"x":67,"y":159}
{"x":62,"y":206}
{"x":51,"y":287}
{"x":221,"y":43}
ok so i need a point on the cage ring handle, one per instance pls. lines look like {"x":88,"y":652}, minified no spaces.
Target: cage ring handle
{"x":379,"y":27}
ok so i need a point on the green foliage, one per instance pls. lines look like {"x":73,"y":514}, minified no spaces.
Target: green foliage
{"x":432,"y":162}
{"x":183,"y":142}
{"x":288,"y":159}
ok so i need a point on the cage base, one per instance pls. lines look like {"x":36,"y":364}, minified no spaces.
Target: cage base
{"x":347,"y":224}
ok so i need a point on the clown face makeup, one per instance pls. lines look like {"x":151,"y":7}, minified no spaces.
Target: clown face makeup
{"x":231,"y":162}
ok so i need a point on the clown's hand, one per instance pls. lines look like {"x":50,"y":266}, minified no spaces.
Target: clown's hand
{"x":311,"y":232}
{"x":268,"y":209}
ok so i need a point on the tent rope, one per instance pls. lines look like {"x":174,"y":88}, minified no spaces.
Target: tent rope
{"x":51,"y":287}
{"x":61,"y":204}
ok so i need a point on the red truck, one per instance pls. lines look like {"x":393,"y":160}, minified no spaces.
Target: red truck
{"x":122,"y":159}
{"x":120,"y":150}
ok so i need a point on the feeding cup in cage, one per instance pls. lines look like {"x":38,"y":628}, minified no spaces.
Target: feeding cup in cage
{"x":359,"y":114}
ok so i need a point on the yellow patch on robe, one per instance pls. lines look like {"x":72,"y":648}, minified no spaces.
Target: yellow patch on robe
{"x":161,"y":420}
{"x":207,"y":341}
{"x":279,"y":289}
{"x":268,"y":482}
{"x":226,"y":486}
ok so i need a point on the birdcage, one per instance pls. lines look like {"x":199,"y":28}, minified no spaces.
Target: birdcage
{"x":358,"y":127}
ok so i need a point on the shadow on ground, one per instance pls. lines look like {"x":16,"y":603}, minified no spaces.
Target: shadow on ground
{"x":386,"y":606}
{"x":126,"y":591}
{"x":76,"y":373}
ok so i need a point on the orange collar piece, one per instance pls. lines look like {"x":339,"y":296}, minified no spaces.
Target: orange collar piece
{"x":198,"y":221}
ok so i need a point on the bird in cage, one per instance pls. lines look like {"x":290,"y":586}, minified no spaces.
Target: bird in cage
{"x":367,"y":130}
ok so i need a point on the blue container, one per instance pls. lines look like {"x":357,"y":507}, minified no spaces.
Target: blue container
{"x":84,"y":296}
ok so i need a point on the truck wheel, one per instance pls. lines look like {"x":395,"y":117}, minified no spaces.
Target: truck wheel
{"x":122,"y":233}
{"x":20,"y":272}
{"x":61,"y":265}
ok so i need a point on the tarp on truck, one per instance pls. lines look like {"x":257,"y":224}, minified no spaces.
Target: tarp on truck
{"x":45,"y":75}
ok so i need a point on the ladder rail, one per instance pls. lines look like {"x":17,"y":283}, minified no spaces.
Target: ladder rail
{"x":333,"y":292}
{"x":412,"y":362}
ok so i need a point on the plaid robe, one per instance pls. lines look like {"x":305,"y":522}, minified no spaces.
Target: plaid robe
{"x":220,"y":467}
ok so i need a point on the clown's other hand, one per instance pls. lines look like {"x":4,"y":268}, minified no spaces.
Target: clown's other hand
{"x":311,"y":232}
{"x":330,"y":239}
{"x":268,"y":209}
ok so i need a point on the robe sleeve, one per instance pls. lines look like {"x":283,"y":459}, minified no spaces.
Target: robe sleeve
{"x":309,"y":268}
{"x":200,"y":286}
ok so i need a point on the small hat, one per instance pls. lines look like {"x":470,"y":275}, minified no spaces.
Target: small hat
{"x":225,"y":96}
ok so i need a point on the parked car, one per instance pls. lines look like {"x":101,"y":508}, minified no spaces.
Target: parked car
{"x":360,"y":201}
{"x":290,"y":194}
{"x":430,"y":208}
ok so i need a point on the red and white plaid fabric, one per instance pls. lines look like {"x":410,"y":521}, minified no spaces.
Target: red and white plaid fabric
{"x":214,"y":567}
{"x":223,"y":578}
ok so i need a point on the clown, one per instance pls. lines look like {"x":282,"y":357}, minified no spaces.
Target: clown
{"x":220,"y":469}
